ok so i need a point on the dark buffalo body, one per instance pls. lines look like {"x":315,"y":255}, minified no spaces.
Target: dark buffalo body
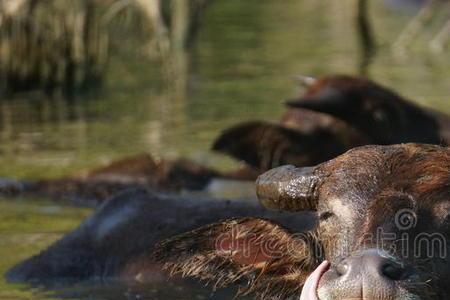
{"x":118,"y":240}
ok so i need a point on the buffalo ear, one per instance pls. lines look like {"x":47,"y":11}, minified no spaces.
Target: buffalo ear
{"x":265,"y":145}
{"x":327,"y":100}
{"x":264,"y":257}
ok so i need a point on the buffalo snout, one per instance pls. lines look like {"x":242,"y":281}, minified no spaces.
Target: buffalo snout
{"x":369,"y":274}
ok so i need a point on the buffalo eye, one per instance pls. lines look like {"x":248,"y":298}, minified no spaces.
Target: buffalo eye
{"x":379,"y":115}
{"x":325,"y":216}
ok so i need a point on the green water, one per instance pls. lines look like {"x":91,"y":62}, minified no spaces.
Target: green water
{"x":240,"y":68}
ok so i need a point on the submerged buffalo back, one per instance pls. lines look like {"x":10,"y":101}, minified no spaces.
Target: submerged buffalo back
{"x":126,"y":228}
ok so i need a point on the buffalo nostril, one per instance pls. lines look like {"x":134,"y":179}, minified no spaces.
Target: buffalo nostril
{"x":393,"y":271}
{"x":342,"y":268}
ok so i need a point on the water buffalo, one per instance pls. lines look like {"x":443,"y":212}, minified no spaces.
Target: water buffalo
{"x":380,"y":113}
{"x":336,"y":113}
{"x":383,"y":223}
{"x":301,"y":138}
{"x":138,"y":171}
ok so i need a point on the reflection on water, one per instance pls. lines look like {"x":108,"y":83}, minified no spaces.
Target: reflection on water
{"x":239,"y":68}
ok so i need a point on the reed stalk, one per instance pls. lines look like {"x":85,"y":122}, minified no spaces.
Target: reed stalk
{"x":53,"y":45}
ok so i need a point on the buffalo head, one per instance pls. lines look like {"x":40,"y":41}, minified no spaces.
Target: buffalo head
{"x":383,"y":222}
{"x":376,"y":111}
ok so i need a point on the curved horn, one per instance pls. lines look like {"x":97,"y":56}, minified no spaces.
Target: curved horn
{"x":305,"y":81}
{"x":288,"y":188}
